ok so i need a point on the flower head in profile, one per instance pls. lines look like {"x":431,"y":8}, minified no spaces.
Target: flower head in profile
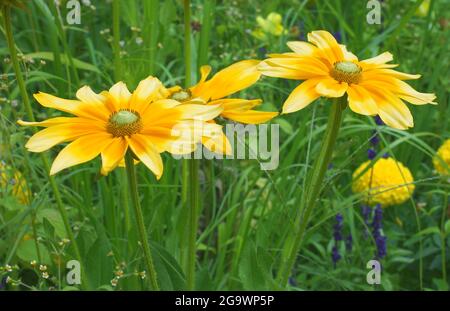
{"x":328,"y":69}
{"x":115,"y":121}
{"x":215,"y":92}
{"x":13,"y":180}
{"x":387,"y":182}
{"x":442,"y":159}
{"x":269,"y":26}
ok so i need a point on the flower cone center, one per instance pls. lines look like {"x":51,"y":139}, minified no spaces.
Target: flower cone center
{"x":182,"y":95}
{"x":348,"y":72}
{"x":124,"y":123}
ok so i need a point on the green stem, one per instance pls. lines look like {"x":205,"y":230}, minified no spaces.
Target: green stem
{"x":192,"y":164}
{"x":30,"y":115}
{"x":132,"y":181}
{"x":312,"y":192}
{"x":151,"y":9}
{"x":116,"y":40}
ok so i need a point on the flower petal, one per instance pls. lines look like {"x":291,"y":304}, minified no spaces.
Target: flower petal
{"x":146,"y":91}
{"x":146,"y":151}
{"x":75,"y":107}
{"x":113,"y":154}
{"x":218,"y":144}
{"x":234,"y":78}
{"x":302,"y":48}
{"x":51,"y":136}
{"x":331,"y":88}
{"x":360,"y":101}
{"x":301,"y":96}
{"x":81,"y":150}
{"x":327,"y":44}
{"x":250,"y":116}
{"x":120,"y":95}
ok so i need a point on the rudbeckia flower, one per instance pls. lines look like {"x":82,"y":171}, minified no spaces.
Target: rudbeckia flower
{"x":443,"y":154}
{"x":372,"y":86}
{"x":214,"y":92}
{"x":387,"y":182}
{"x":114,"y":121}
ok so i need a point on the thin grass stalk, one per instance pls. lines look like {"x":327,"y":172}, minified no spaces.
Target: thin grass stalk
{"x":30,"y":115}
{"x":151,"y":8}
{"x":311,"y":195}
{"x":143,"y":236}
{"x":116,"y":40}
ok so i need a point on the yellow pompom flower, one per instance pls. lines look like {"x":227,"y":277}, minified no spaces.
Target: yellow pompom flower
{"x":110,"y":123}
{"x":215,"y":92}
{"x":328,"y":69}
{"x":387,"y":182}
{"x":272,"y":25}
{"x":13,"y":180}
{"x":444,"y":154}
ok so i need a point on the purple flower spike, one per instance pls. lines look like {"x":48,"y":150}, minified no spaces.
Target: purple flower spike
{"x":378,"y":120}
{"x":371,"y":154}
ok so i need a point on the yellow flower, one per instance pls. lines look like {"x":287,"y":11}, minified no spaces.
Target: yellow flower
{"x":444,"y":154}
{"x":213,"y":92}
{"x":329,"y":70}
{"x":113,"y":121}
{"x":272,"y":25}
{"x":387,"y":182}
{"x":13,"y":179}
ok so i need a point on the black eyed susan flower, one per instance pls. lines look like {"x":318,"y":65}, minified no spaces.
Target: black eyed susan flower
{"x":328,"y":69}
{"x":110,"y":123}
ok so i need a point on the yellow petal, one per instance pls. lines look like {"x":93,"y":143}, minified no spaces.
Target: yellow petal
{"x":51,"y":136}
{"x":301,"y":96}
{"x":120,"y":94}
{"x":236,"y":104}
{"x":199,"y":112}
{"x":331,"y":88}
{"x":52,"y":121}
{"x":75,"y":107}
{"x":327,"y":45}
{"x":98,"y":101}
{"x":234,"y":78}
{"x":270,"y":70}
{"x":302,"y":48}
{"x":113,"y":154}
{"x":146,"y":91}
{"x":146,"y":151}
{"x":348,"y":56}
{"x":305,"y":67}
{"x":81,"y":150}
{"x":360,"y":101}
{"x":249,"y":116}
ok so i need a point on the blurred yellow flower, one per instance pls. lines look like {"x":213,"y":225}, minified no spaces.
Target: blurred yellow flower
{"x":387,"y":182}
{"x":444,"y":154}
{"x":329,"y":70}
{"x":423,"y":9}
{"x":114,"y":121}
{"x":13,"y":180}
{"x":270,"y":26}
{"x":214,"y":91}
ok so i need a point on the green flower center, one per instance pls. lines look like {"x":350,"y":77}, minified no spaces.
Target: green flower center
{"x":124,"y":122}
{"x":348,"y":72}
{"x":181,"y":95}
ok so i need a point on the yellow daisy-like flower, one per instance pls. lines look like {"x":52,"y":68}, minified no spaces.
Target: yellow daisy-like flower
{"x":114,"y":121}
{"x":13,"y":180}
{"x":444,"y":154}
{"x":272,"y":25}
{"x":372,"y":86}
{"x":214,"y":92}
{"x":387,"y":182}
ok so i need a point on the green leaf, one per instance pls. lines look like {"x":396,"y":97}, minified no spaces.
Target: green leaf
{"x":447,"y":227}
{"x":170,"y":274}
{"x":99,"y":266}
{"x":54,"y":219}
{"x":64,"y":59}
{"x":26,"y":251}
